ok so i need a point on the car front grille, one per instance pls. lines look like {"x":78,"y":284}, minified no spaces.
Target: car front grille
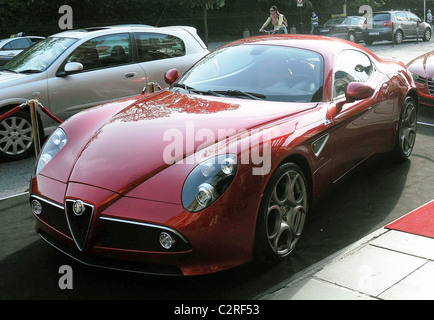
{"x":430,"y":83}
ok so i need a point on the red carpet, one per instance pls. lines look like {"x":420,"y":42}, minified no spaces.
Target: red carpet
{"x":419,"y":221}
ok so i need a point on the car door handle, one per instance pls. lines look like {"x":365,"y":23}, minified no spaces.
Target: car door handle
{"x":130,"y":74}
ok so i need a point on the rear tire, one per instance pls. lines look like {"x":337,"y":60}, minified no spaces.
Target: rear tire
{"x":406,"y":133}
{"x":398,"y":37}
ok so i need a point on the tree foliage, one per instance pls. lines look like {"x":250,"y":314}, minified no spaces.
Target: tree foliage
{"x":40,"y":17}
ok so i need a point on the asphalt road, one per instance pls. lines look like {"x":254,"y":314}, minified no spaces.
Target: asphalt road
{"x":374,"y":196}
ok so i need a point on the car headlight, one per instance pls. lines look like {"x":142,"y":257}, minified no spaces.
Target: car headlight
{"x":53,"y":145}
{"x":208,"y":181}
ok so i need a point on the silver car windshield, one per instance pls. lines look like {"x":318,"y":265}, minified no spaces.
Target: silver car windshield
{"x":40,"y":56}
{"x":273,"y":73}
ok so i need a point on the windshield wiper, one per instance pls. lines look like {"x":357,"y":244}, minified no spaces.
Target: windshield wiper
{"x":30,"y":71}
{"x":193,"y":90}
{"x":237,"y":93}
{"x":6,"y":69}
{"x":183,"y":86}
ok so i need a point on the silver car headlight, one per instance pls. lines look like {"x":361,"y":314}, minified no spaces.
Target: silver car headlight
{"x":53,"y":145}
{"x":208,"y":181}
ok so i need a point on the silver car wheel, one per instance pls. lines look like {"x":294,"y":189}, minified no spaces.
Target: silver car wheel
{"x":399,"y":37}
{"x":286,"y":213}
{"x":16,"y":136}
{"x":427,"y":34}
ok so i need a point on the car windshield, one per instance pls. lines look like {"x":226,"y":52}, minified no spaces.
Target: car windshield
{"x":40,"y":56}
{"x":273,"y":73}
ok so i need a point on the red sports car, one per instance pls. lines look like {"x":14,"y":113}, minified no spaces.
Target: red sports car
{"x":224,"y":165}
{"x":422,"y":70}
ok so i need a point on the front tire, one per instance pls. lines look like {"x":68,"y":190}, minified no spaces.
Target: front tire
{"x":352,"y":37}
{"x":406,"y":133}
{"x":16,"y":137}
{"x":282,"y":214}
{"x":427,"y":34}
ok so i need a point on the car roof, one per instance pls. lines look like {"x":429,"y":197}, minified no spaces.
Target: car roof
{"x":82,"y":33}
{"x":14,"y":38}
{"x":320,"y":44}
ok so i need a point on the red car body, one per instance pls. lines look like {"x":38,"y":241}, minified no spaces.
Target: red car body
{"x":422,"y":70}
{"x":113,"y":163}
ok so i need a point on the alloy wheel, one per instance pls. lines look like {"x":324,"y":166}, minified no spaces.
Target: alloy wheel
{"x":407,"y":128}
{"x":286,"y":210}
{"x":16,"y":136}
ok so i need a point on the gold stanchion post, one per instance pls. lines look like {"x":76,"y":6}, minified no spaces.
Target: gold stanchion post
{"x":33,"y":114}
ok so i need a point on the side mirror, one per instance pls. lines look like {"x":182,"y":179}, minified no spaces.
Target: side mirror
{"x":171,"y":76}
{"x":73,"y":67}
{"x":358,"y":91}
{"x":70,"y":68}
{"x":355,"y":91}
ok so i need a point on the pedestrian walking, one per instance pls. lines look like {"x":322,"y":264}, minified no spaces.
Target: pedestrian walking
{"x":277,"y":19}
{"x":429,"y":17}
{"x":314,"y":21}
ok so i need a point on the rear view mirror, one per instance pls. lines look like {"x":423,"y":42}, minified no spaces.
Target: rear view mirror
{"x":171,"y":76}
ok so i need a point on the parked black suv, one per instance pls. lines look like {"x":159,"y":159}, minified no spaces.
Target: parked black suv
{"x":395,"y":26}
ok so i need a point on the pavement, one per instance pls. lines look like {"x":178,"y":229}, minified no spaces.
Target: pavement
{"x":385,"y":265}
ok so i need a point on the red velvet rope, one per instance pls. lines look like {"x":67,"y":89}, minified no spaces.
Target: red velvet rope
{"x":17,"y":108}
{"x":48,"y":113}
{"x":9,"y":113}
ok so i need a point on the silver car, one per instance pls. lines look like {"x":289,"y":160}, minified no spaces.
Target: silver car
{"x":75,"y":70}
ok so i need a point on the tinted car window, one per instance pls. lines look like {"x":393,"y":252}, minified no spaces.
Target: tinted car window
{"x":381,"y":17}
{"x":155,"y":46}
{"x":106,"y":51}
{"x":351,"y":66}
{"x":19,"y":44}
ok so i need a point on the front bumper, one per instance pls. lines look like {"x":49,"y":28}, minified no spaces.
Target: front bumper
{"x":123,"y":233}
{"x":378,"y":34}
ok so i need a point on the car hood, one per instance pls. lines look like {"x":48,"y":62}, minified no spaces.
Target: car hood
{"x":7,"y":76}
{"x":423,"y":65}
{"x":134,"y":144}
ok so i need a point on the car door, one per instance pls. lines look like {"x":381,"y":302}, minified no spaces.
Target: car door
{"x":158,"y":52}
{"x":406,"y":25}
{"x":359,"y":127}
{"x":416,"y":21}
{"x":109,"y":73}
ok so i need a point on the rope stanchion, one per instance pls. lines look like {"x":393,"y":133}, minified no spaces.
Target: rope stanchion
{"x":33,"y":115}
